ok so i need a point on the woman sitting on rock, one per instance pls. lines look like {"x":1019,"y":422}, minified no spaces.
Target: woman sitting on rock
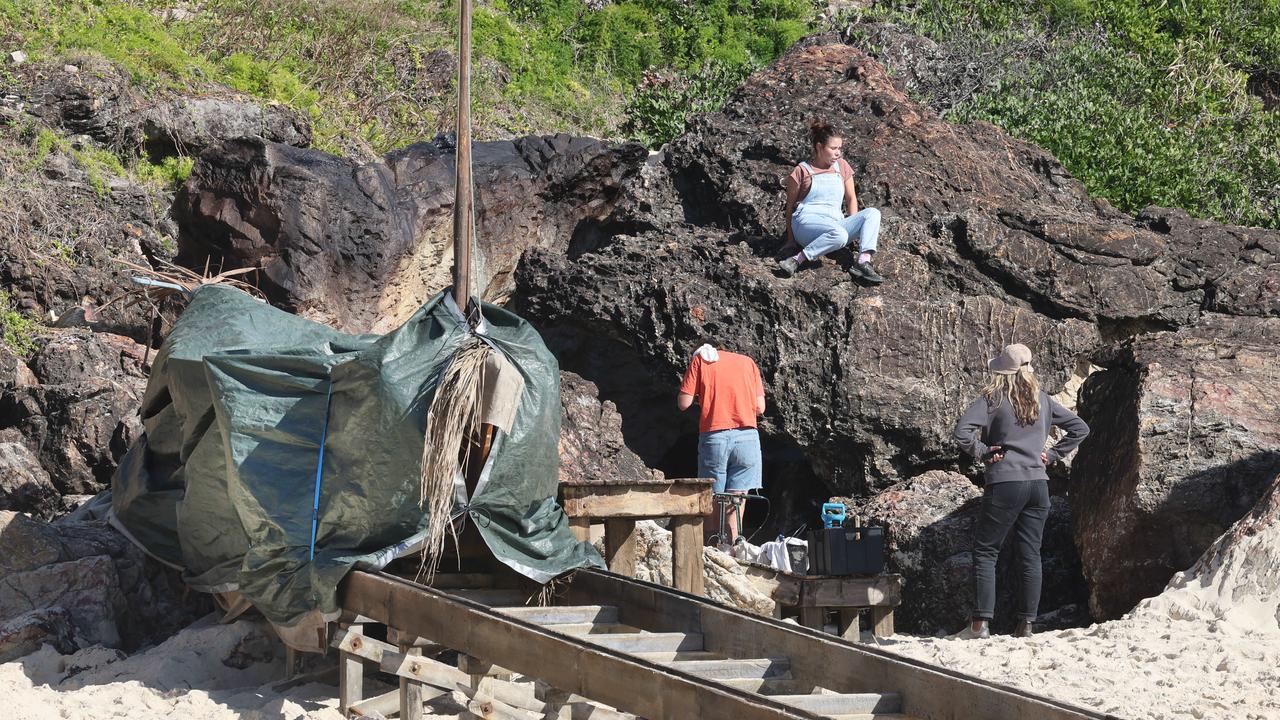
{"x":1007,"y":428}
{"x":817,"y":192}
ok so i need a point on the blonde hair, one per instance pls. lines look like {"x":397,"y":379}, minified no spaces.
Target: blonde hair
{"x":1021,"y":389}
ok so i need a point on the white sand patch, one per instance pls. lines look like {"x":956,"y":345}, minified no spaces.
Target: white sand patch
{"x":1207,"y":647}
{"x":206,"y":672}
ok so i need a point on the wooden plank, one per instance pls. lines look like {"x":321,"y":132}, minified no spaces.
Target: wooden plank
{"x":882,"y":621}
{"x":390,"y":660}
{"x":581,"y":528}
{"x":592,"y":628}
{"x":928,"y":692}
{"x":851,"y":591}
{"x":846,"y":703}
{"x":730,"y":669}
{"x":686,"y":554}
{"x":411,"y":694}
{"x":620,"y":545}
{"x":556,"y":615}
{"x":637,"y":501}
{"x":350,"y":673}
{"x":782,"y":588}
{"x":627,"y":683}
{"x":648,"y":641}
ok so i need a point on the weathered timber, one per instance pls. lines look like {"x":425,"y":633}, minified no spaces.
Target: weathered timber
{"x":599,"y":673}
{"x":686,"y":554}
{"x":620,"y":545}
{"x":350,"y":672}
{"x":647,"y":500}
{"x":927,"y":692}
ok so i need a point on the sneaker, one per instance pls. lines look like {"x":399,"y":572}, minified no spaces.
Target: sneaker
{"x":1023,"y":629}
{"x":864,"y":271}
{"x":968,"y":633}
{"x":788,"y":267}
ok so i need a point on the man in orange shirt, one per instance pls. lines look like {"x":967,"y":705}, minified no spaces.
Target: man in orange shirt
{"x":730,"y":396}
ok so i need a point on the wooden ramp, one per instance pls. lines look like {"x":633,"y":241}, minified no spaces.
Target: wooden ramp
{"x":658,"y":653}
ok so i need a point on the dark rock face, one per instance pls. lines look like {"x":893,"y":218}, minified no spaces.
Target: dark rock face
{"x":1186,"y":437}
{"x":361,"y":246}
{"x":24,"y":484}
{"x":985,"y":241}
{"x":100,"y":101}
{"x":929,"y":522}
{"x":592,"y":450}
{"x":82,"y":413}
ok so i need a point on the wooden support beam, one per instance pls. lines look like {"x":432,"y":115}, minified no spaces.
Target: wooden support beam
{"x":620,"y":545}
{"x":851,"y":591}
{"x":927,"y":691}
{"x":390,"y":659}
{"x":581,"y":528}
{"x":411,"y":694}
{"x":350,"y":672}
{"x":882,"y":621}
{"x":814,"y":618}
{"x":850,"y":627}
{"x":638,"y":500}
{"x":686,"y":554}
{"x":627,"y":683}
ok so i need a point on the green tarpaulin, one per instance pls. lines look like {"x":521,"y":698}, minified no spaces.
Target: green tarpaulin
{"x":249,"y":409}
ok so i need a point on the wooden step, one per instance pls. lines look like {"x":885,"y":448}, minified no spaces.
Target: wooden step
{"x":570,"y":615}
{"x":493,"y":596}
{"x":593,"y":628}
{"x":668,"y":656}
{"x":734,"y":669}
{"x":844,"y":703}
{"x":647,"y":641}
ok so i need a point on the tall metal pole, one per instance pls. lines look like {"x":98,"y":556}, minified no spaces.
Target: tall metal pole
{"x":463,"y":227}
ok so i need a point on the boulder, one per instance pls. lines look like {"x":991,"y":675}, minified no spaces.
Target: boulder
{"x":24,"y":485}
{"x":88,"y":589}
{"x":29,"y":631}
{"x":90,"y":575}
{"x":84,"y":413}
{"x":1186,"y":438}
{"x":361,"y":246}
{"x":102,"y":102}
{"x":725,"y":580}
{"x":592,"y":450}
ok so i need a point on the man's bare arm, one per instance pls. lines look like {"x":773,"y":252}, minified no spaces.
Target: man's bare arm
{"x":759,"y":404}
{"x":684,"y":401}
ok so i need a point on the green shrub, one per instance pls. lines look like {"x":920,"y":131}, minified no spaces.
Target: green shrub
{"x":19,"y":330}
{"x":169,"y":173}
{"x":664,"y":100}
{"x":1146,"y":103}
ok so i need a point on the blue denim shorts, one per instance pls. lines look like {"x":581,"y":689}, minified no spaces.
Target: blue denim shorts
{"x":731,"y":458}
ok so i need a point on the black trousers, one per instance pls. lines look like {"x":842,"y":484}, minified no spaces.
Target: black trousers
{"x":1021,"y":506}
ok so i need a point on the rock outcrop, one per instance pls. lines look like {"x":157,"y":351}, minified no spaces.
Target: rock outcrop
{"x":360,"y":247}
{"x":78,"y":417}
{"x":592,"y":449}
{"x":79,"y":583}
{"x":1186,"y":437}
{"x":98,"y":99}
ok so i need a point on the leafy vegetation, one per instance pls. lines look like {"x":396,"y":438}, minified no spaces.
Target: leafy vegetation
{"x":1148,"y":103}
{"x":378,"y":74}
{"x":19,"y":330}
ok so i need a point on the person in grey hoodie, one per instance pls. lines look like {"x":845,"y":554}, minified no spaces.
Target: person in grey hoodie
{"x":1007,"y":428}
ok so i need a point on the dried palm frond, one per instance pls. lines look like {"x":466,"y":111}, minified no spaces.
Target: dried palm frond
{"x":185,"y":280}
{"x":453,"y":416}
